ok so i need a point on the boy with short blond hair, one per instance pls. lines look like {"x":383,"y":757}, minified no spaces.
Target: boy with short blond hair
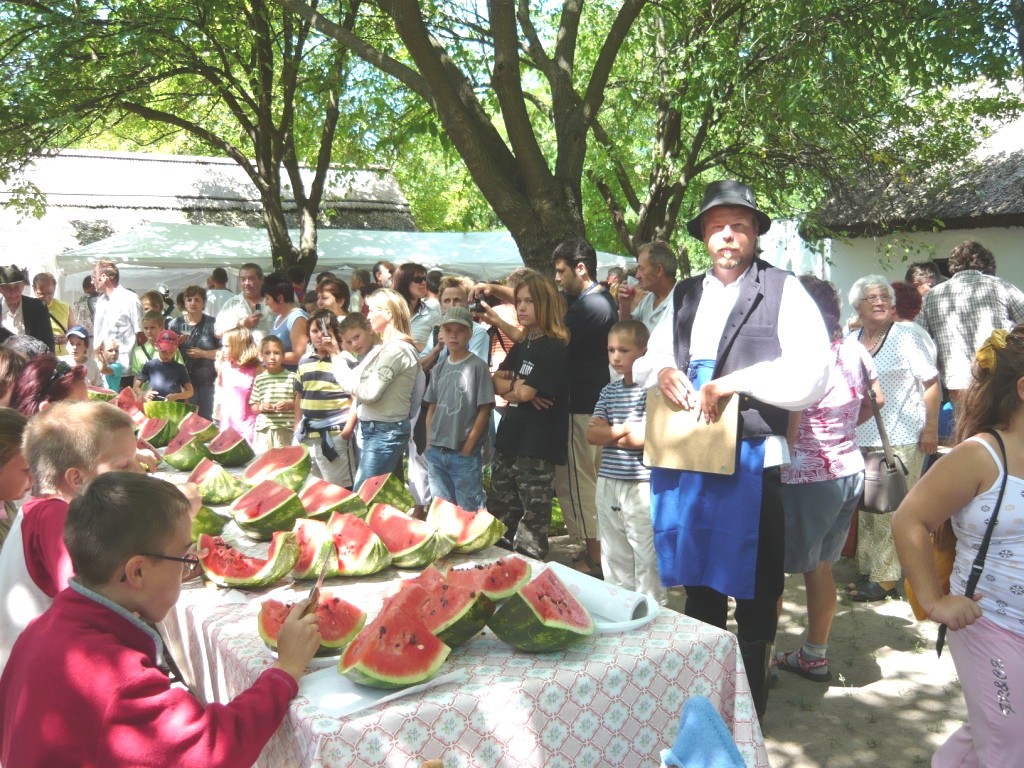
{"x":273,"y":399}
{"x":628,"y":558}
{"x":86,"y":687}
{"x":66,"y":445}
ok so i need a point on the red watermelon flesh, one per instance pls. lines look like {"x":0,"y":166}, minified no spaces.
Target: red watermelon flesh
{"x":194,"y":424}
{"x":398,"y":531}
{"x":229,"y":567}
{"x":498,"y":580}
{"x":156,"y":432}
{"x":288,"y":465}
{"x":313,"y":538}
{"x":338,"y":621}
{"x":226,"y":439}
{"x":395,"y":650}
{"x":261,"y":500}
{"x":451,"y":612}
{"x":386,"y":489}
{"x":126,"y":401}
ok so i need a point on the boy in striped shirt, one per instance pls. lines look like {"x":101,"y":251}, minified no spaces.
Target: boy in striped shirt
{"x":273,"y":399}
{"x":623,"y":488}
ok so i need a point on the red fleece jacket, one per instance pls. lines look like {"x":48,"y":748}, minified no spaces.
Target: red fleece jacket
{"x":82,"y":688}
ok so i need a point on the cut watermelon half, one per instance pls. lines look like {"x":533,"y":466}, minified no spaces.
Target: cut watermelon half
{"x":386,"y":489}
{"x":185,"y":452}
{"x":395,"y":650}
{"x":228,"y":567}
{"x":230,"y":449}
{"x":322,"y":499}
{"x":471,"y":531}
{"x":360,"y":551}
{"x":338,"y":622}
{"x":157,"y":432}
{"x":172,"y":410}
{"x":267,"y":508}
{"x":413,"y":543}
{"x":216,"y":484}
{"x":288,"y":466}
{"x":315,"y":545}
{"x":194,"y":424}
{"x":101,"y":393}
{"x":125,"y":400}
{"x":543,"y":616}
{"x":498,"y":580}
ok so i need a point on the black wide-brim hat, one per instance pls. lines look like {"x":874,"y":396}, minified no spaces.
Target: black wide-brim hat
{"x":728,"y":192}
{"x":11,"y":274}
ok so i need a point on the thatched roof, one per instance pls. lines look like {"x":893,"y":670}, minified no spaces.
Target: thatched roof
{"x":985,"y":190}
{"x":205,"y":190}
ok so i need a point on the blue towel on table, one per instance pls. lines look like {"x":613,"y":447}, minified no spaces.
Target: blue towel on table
{"x":703,"y":740}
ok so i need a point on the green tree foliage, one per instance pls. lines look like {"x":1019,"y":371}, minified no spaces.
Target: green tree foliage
{"x":242,"y":78}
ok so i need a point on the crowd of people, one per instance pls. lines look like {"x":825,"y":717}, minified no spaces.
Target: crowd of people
{"x":505,"y":396}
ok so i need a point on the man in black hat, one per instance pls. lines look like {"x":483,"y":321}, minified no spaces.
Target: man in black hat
{"x":23,"y":314}
{"x":746,"y":329}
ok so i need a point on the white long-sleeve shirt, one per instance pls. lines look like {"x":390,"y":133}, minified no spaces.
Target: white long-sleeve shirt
{"x":793,"y":381}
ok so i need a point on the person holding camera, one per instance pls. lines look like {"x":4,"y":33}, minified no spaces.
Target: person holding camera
{"x":644,"y":297}
{"x":246,"y":309}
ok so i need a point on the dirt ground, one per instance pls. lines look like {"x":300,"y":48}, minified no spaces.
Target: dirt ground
{"x":891,"y":701}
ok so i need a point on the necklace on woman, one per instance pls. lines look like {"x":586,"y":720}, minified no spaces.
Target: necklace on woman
{"x":878,"y":340}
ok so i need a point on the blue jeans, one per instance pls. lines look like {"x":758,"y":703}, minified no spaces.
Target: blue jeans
{"x":456,"y":477}
{"x":384,"y":444}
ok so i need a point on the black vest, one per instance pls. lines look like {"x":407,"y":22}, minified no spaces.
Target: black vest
{"x":750,"y":336}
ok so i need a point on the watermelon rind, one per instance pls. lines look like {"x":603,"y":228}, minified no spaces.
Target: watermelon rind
{"x":187,"y":455}
{"x":359,"y":550}
{"x":520,"y":621}
{"x":338,"y":622}
{"x":498,"y":580}
{"x":215,"y":556}
{"x":209,"y":522}
{"x":471,"y":531}
{"x":196,"y":425}
{"x":322,"y":499}
{"x":157,"y":432}
{"x":172,"y":410}
{"x":230,"y":449}
{"x":395,"y":650}
{"x":413,"y":543}
{"x":216,"y":485}
{"x":280,"y":517}
{"x":315,"y":545}
{"x":386,"y":489}
{"x":288,"y":466}
{"x":101,"y":393}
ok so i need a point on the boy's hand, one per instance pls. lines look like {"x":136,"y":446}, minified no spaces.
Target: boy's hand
{"x":298,"y":641}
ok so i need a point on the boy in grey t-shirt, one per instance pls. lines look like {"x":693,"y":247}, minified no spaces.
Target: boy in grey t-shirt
{"x":460,"y":397}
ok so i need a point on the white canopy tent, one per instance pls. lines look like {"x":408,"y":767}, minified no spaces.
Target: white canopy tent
{"x":184,"y":254}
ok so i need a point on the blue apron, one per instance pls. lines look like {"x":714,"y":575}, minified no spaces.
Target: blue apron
{"x":705,"y":525}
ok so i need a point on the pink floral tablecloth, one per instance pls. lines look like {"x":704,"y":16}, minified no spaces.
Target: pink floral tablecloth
{"x":612,"y":699}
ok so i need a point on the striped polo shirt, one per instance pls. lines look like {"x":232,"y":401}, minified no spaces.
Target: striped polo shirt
{"x":321,"y":397}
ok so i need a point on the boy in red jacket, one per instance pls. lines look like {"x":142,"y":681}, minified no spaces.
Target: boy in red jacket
{"x":84,"y":686}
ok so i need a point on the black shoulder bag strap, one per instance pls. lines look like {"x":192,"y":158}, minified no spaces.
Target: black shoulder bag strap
{"x":979,"y":560}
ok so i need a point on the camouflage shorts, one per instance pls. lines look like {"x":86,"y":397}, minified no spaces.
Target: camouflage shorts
{"x":520,"y":496}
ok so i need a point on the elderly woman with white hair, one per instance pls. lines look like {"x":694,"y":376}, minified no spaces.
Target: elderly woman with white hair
{"x":909,"y":381}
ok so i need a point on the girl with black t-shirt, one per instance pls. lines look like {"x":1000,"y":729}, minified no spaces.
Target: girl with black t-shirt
{"x":534,"y":431}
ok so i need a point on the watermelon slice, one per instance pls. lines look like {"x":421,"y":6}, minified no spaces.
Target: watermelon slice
{"x":543,"y":616}
{"x":322,"y":499}
{"x":216,"y":484}
{"x":288,"y":466}
{"x":472,"y":531}
{"x":230,"y":449}
{"x":226,"y":566}
{"x":498,"y":580}
{"x":157,"y":432}
{"x":395,"y":650}
{"x":386,"y":489}
{"x":126,"y":401}
{"x":194,"y":424}
{"x":315,"y":545}
{"x":209,"y":522}
{"x":267,"y":508}
{"x":185,"y":452}
{"x":172,"y":410}
{"x":338,"y":621}
{"x":413,"y":543}
{"x":453,"y":613}
{"x":101,"y":393}
{"x":360,"y":551}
